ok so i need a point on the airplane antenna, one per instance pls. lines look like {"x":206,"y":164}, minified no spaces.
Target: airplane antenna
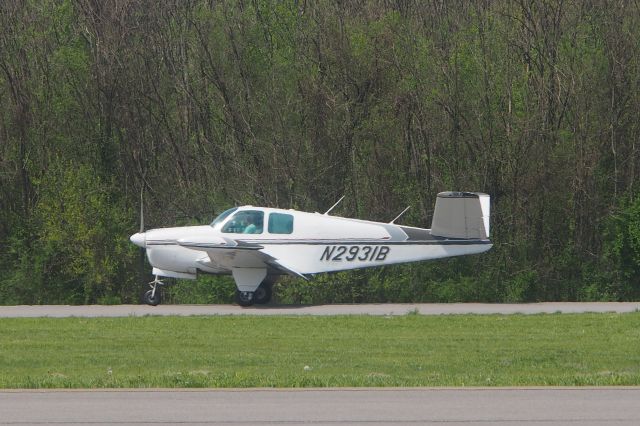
{"x":398,"y":217}
{"x":142,"y":209}
{"x":333,"y":206}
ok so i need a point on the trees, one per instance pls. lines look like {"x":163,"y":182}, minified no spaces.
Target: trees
{"x":202,"y":105}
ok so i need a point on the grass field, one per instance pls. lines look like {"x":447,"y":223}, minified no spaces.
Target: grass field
{"x":411,"y":350}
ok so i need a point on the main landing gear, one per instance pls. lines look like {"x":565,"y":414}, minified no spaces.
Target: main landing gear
{"x":152,"y":297}
{"x":261,"y":296}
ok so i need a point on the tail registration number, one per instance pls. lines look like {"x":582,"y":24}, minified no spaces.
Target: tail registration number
{"x":353,"y":253}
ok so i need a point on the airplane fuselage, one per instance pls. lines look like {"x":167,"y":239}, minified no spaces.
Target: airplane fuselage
{"x":252,"y":243}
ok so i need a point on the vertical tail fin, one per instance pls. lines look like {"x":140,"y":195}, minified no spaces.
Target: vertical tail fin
{"x":461,"y":215}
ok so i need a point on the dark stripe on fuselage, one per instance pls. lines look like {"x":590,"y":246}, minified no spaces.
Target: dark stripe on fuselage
{"x":381,"y":243}
{"x":435,"y":242}
{"x":417,"y":234}
{"x":161,"y":243}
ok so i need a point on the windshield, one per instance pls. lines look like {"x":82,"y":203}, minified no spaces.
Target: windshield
{"x":222,"y":216}
{"x":245,"y":222}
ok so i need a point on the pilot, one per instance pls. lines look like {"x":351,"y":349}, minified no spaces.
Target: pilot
{"x":251,"y":227}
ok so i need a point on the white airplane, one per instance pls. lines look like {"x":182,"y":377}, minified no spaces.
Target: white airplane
{"x":257,"y":244}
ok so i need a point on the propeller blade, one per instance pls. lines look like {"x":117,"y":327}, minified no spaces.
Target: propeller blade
{"x":142,"y":209}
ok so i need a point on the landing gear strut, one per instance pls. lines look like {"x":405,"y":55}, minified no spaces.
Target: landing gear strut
{"x":152,"y":297}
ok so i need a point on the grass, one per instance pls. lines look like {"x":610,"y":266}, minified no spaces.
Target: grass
{"x":411,"y":350}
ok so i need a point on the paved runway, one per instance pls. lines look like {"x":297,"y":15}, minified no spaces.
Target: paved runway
{"x":362,"y":309}
{"x":533,"y":406}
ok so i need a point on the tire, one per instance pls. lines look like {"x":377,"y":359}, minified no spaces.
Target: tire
{"x":153,"y":301}
{"x":262,"y":295}
{"x":244,"y":298}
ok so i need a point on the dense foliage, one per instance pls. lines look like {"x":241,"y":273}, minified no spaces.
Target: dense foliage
{"x":200,"y":105}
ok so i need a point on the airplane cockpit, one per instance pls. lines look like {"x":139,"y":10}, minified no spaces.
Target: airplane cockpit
{"x":251,"y":221}
{"x":245,"y":222}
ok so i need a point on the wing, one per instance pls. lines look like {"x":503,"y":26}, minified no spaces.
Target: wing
{"x":231,"y":255}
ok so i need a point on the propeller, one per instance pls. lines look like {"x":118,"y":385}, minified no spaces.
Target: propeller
{"x":140,"y":239}
{"x":142,"y":209}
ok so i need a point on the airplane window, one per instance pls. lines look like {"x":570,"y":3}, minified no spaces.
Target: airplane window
{"x":245,"y":222}
{"x":222,"y":216}
{"x":280,"y":223}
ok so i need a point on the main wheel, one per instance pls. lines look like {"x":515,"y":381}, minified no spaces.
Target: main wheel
{"x":263,"y":293}
{"x":244,"y":298}
{"x":152,"y":299}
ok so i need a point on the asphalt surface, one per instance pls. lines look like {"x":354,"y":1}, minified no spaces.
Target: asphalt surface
{"x":533,"y":406}
{"x":57,"y":311}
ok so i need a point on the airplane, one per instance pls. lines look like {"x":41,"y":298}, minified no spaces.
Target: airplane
{"x":256,"y":245}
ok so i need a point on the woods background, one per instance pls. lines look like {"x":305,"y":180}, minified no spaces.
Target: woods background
{"x":207,"y":104}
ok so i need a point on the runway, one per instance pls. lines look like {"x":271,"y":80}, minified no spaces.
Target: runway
{"x":59,"y":311}
{"x":533,"y":406}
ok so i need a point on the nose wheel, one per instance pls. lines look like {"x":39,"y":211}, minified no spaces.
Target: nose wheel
{"x":152,"y":297}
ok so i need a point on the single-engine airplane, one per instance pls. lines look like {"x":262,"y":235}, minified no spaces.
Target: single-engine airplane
{"x":257,"y":244}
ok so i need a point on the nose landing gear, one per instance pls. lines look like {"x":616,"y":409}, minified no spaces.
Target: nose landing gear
{"x":152,"y":297}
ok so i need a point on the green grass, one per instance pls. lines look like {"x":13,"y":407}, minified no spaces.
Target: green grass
{"x":411,"y":350}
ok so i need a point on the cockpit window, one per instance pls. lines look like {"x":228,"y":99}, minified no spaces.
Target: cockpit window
{"x":245,"y":222}
{"x":222,"y":216}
